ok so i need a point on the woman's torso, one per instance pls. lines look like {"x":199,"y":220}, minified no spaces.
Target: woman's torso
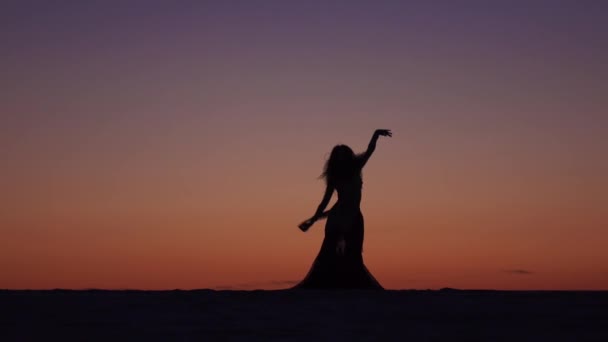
{"x":345,"y":216}
{"x":349,"y":192}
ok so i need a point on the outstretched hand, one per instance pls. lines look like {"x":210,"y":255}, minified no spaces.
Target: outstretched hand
{"x":304,"y":226}
{"x":384,"y":132}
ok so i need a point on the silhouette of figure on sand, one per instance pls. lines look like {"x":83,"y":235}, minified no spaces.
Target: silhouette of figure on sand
{"x":339,"y":264}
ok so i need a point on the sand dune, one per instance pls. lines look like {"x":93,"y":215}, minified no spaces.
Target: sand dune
{"x":208,"y":315}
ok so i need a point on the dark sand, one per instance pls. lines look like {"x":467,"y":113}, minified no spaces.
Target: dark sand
{"x":206,"y":315}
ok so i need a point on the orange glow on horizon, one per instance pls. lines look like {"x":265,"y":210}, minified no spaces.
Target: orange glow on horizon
{"x":181,"y":148}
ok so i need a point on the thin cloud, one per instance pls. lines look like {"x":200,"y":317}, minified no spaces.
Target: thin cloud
{"x":257,"y":285}
{"x":263,"y":284}
{"x":223,"y":287}
{"x":519,"y":272}
{"x":284,"y":282}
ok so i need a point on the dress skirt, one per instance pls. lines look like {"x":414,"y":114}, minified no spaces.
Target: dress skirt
{"x":339,"y":264}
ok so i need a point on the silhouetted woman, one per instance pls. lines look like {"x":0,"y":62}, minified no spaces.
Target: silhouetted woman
{"x":340,"y":260}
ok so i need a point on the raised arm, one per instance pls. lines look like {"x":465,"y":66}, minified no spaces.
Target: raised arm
{"x":329,"y":190}
{"x":372,"y":144}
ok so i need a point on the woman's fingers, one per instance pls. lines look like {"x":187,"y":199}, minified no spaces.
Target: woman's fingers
{"x":385,"y":132}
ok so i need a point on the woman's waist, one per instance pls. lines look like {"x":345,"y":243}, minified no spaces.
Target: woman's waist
{"x":347,"y":205}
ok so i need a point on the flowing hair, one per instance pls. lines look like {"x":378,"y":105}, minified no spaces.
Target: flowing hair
{"x":341,"y":165}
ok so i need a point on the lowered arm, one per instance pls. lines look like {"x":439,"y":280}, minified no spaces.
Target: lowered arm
{"x":304,"y":226}
{"x":329,"y":190}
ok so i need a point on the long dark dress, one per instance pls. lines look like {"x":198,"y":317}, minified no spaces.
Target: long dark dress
{"x":333,"y":270}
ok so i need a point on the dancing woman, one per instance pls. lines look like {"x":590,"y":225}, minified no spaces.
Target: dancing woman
{"x":339,"y":263}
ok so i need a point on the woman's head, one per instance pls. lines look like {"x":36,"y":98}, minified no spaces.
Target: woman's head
{"x":342,"y":164}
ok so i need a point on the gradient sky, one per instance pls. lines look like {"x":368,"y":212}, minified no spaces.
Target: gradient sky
{"x":177,"y":144}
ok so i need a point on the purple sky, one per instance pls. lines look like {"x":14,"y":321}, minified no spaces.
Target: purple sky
{"x":120,"y":112}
